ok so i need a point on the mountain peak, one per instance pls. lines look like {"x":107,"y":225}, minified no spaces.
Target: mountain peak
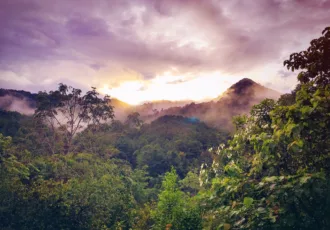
{"x":243,"y":83}
{"x":242,"y":86}
{"x":246,"y":80}
{"x":247,"y":88}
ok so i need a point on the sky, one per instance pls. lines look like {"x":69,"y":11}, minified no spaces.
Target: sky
{"x":144,"y":50}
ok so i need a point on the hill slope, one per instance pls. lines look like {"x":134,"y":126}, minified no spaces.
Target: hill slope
{"x":238,"y":99}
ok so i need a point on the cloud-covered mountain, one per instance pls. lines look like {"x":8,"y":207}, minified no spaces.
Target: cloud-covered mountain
{"x":238,"y":99}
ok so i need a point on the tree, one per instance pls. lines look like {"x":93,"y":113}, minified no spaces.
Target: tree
{"x":72,"y":191}
{"x":68,"y":111}
{"x":133,"y":120}
{"x":275,"y":171}
{"x":154,"y":157}
{"x":314,"y":62}
{"x":260,"y":113}
{"x":190,"y":183}
{"x":174,"y":208}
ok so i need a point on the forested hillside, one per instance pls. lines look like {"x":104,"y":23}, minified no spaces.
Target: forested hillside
{"x":238,"y":99}
{"x":72,"y":165}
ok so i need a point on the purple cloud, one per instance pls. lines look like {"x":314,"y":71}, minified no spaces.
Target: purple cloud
{"x":82,"y":26}
{"x":152,"y":36}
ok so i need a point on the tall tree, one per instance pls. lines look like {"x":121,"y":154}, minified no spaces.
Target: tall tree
{"x":68,"y":111}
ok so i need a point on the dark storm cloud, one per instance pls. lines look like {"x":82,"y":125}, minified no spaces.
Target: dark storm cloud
{"x":151,"y":36}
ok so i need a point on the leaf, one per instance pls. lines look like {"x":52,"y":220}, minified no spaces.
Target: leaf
{"x":289,"y":128}
{"x":296,"y":146}
{"x":226,"y":226}
{"x":234,"y":204}
{"x":304,"y":179}
{"x":306,"y":110}
{"x":270,"y":179}
{"x":261,"y":210}
{"x":272,"y":186}
{"x":248,"y":201}
{"x":240,"y":222}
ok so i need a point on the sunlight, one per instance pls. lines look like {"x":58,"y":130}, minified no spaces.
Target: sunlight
{"x":127,"y":92}
{"x":172,"y":87}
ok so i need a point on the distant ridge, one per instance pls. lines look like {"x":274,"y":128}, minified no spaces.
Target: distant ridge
{"x":24,"y":102}
{"x":237,"y":99}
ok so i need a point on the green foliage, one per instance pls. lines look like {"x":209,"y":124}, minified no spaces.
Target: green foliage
{"x":175,"y":141}
{"x":9,"y":122}
{"x":66,"y":192}
{"x":174,"y":207}
{"x":274,"y":172}
{"x":168,"y":141}
{"x":190,"y":184}
{"x":142,"y":217}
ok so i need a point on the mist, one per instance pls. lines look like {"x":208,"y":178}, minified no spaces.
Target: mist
{"x":14,"y":104}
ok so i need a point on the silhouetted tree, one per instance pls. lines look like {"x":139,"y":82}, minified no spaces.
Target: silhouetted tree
{"x":68,"y":111}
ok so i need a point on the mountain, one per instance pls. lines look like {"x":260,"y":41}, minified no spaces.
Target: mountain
{"x":121,"y":109}
{"x":238,"y":99}
{"x":250,"y":89}
{"x":152,"y":109}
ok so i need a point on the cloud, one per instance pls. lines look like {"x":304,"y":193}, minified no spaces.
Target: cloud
{"x":285,"y":74}
{"x":21,"y":105}
{"x":111,"y":41}
{"x":176,"y":82}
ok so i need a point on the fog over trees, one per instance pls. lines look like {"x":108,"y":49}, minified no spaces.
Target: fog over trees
{"x":73,"y":164}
